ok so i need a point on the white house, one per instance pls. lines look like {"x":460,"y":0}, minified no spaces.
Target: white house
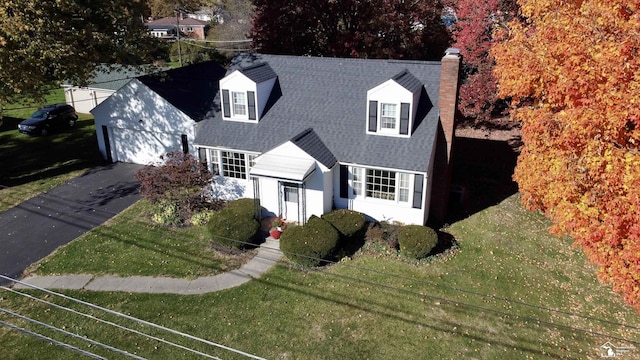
{"x":156,"y":114}
{"x":305,"y":135}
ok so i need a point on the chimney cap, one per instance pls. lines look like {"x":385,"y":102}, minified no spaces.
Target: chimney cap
{"x":452,"y":51}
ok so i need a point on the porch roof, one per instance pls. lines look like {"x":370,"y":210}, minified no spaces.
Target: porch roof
{"x":275,"y":166}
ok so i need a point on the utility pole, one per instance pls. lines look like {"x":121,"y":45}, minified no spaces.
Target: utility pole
{"x":178,"y":13}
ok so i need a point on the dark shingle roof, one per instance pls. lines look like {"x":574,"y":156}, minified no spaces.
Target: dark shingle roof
{"x":311,"y":143}
{"x":259,"y":73}
{"x":330,"y":96}
{"x":191,"y":89}
{"x":408,"y":81}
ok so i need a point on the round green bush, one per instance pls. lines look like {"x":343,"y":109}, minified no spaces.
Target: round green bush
{"x":244,"y":205}
{"x":233,"y":228}
{"x":352,"y":227}
{"x":348,"y":222}
{"x":416,"y":241}
{"x":310,"y":244}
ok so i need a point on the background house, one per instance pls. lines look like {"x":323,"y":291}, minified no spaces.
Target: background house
{"x":189,"y":27}
{"x":107,"y":79}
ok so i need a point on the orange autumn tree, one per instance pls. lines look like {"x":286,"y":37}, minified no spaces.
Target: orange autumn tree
{"x":573,"y":70}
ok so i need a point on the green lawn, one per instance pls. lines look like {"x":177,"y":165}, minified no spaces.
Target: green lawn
{"x":31,"y":165}
{"x":511,"y":291}
{"x":131,"y":245}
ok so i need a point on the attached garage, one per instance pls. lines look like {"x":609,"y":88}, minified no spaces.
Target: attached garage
{"x":155,"y":114}
{"x":142,"y":147}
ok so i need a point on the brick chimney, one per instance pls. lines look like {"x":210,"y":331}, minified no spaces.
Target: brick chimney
{"x":447,"y":104}
{"x":449,"y":81}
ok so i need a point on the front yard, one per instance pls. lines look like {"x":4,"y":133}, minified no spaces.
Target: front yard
{"x":31,"y":165}
{"x":510,"y":291}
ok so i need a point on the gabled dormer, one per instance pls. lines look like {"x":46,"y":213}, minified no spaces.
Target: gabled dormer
{"x":392,"y":105}
{"x":244,"y":93}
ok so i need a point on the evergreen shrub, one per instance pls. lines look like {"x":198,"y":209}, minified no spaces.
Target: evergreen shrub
{"x":416,"y":242}
{"x":310,"y":244}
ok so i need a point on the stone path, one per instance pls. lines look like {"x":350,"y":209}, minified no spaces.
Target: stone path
{"x":268,"y":255}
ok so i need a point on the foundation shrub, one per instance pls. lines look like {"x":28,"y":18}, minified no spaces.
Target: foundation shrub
{"x":416,"y":242}
{"x":313,"y":244}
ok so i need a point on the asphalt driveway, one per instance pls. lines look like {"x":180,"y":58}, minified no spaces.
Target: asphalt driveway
{"x":36,"y":227}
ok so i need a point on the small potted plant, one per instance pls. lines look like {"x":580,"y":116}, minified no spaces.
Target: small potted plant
{"x":277,"y":226}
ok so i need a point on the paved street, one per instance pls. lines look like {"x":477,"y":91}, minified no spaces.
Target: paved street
{"x":36,"y":227}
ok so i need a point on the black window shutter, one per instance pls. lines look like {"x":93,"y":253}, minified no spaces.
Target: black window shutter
{"x":417,"y":191}
{"x":404,"y":119}
{"x":344,"y":181}
{"x":251,"y":96}
{"x":373,"y":116}
{"x":202,"y":154}
{"x":185,"y":143}
{"x":226,"y":106}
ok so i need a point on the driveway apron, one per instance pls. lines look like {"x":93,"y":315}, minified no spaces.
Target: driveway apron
{"x":35,"y":228}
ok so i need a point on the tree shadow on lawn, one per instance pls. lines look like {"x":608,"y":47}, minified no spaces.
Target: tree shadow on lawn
{"x":369,"y":304}
{"x":482,"y":175}
{"x":27,"y":158}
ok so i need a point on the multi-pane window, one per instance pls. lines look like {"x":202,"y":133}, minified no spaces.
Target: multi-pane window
{"x":239,"y":103}
{"x":357,"y":181}
{"x":234,"y":165}
{"x":215,"y":162}
{"x":403,"y":187}
{"x":252,"y":160}
{"x":381,"y":184}
{"x":388,"y":116}
{"x":230,"y":164}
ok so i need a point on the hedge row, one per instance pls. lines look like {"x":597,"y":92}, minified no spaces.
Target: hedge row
{"x":324,"y":239}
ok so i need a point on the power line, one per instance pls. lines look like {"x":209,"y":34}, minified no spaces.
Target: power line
{"x":128,"y":317}
{"x":108,"y":323}
{"x":52,"y":341}
{"x":68,"y":333}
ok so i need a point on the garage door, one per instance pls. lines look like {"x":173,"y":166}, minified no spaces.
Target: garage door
{"x":142,"y":147}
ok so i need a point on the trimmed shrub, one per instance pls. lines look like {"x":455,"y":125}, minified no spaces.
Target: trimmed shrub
{"x":352,"y":227}
{"x":416,"y":241}
{"x":233,"y":228}
{"x":244,"y":205}
{"x":310,"y":244}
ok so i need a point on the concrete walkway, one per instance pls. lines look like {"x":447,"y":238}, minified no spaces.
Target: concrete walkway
{"x":268,"y":255}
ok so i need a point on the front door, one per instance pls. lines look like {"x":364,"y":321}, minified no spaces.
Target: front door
{"x":290,"y":201}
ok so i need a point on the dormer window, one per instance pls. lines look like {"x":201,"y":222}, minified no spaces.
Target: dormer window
{"x":239,"y":104}
{"x":245,"y":92}
{"x":388,"y":118}
{"x":392,"y":105}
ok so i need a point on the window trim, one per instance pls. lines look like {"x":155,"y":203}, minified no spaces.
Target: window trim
{"x":217,"y":167}
{"x":244,"y":105}
{"x":358,"y":188}
{"x":381,"y":118}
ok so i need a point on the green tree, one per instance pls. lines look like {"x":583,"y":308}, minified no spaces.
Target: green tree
{"x":45,"y":42}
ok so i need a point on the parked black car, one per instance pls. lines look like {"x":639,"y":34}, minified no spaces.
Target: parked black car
{"x":49,"y":118}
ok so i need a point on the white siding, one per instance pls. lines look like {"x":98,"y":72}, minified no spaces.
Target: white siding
{"x":135,"y":114}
